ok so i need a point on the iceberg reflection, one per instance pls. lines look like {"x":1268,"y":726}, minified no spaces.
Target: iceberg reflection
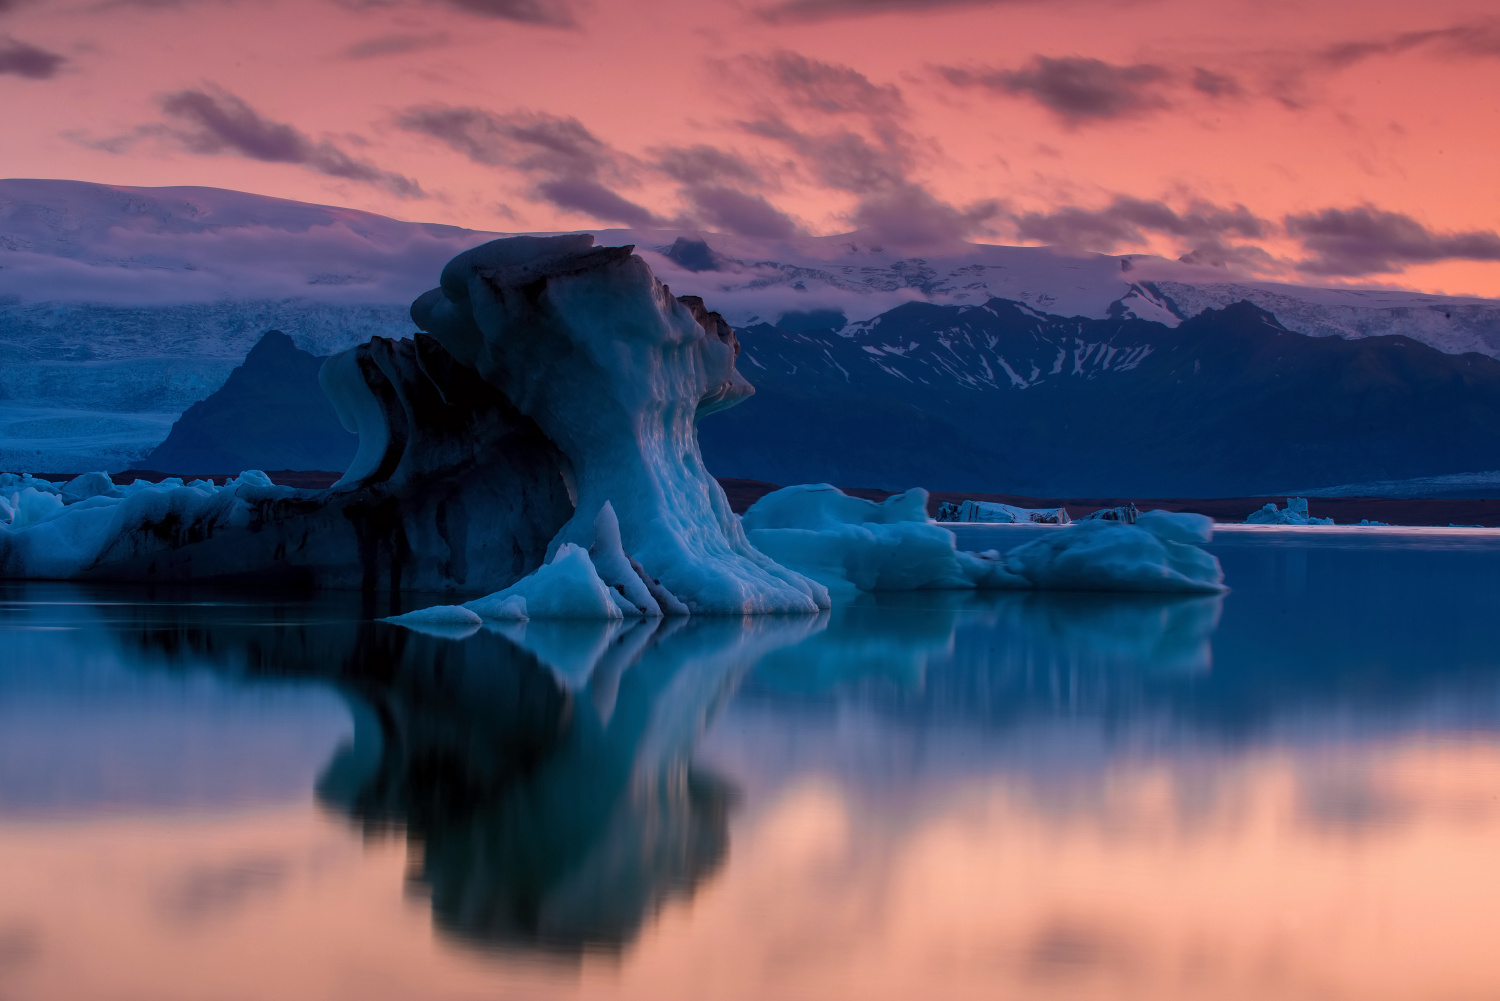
{"x":896,"y":635}
{"x":544,"y":817}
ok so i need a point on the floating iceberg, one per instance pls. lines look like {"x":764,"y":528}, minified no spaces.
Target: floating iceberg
{"x":1004,"y":514}
{"x":64,"y":531}
{"x":1295,"y":513}
{"x":1126,"y":513}
{"x":892,"y":546}
{"x":1160,"y":552}
{"x":552,"y":378}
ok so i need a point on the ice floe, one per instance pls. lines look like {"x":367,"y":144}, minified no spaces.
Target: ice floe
{"x":892,"y":546}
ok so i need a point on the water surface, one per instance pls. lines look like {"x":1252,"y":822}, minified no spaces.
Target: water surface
{"x":1290,"y":791}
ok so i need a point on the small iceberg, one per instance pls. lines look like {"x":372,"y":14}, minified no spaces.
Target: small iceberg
{"x":1004,"y":514}
{"x":1295,"y":513}
{"x":840,"y":540}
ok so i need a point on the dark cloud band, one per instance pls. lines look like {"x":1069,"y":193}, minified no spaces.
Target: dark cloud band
{"x":215,"y":122}
{"x":1366,"y":240}
{"x":1076,"y":89}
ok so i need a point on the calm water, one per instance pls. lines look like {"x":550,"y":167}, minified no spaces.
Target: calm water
{"x":1292,"y":791}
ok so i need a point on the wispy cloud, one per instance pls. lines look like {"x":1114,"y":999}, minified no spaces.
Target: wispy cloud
{"x":567,"y":162}
{"x":1367,"y":240}
{"x":1478,"y":39}
{"x":702,"y":164}
{"x":547,"y":144}
{"x":844,"y":160}
{"x":1333,"y":242}
{"x":210,"y":121}
{"x":821,"y":10}
{"x":734,"y":211}
{"x":848,"y":133}
{"x":396,"y":45}
{"x":548,"y":13}
{"x":909,"y":215}
{"x":845,"y":129}
{"x":590,"y":198}
{"x":828,"y":88}
{"x":1127,"y":220}
{"x":1076,"y":89}
{"x":26,"y":60}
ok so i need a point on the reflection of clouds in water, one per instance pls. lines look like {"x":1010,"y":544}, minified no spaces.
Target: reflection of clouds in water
{"x":20,"y":946}
{"x":979,"y":892}
{"x":207,"y":892}
{"x":1067,"y":948}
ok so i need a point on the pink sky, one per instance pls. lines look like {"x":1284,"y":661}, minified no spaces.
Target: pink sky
{"x":1329,"y":141}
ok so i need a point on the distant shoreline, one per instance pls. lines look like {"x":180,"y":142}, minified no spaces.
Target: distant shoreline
{"x":1413,"y":511}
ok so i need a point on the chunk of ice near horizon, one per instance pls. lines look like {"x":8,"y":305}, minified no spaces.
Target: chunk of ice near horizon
{"x":1295,"y":513}
{"x":993,"y":512}
{"x":55,"y":531}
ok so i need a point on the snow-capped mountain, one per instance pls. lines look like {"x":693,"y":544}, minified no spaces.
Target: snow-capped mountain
{"x":120,"y":307}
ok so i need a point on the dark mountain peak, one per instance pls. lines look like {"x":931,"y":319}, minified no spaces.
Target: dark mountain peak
{"x":1241,"y":315}
{"x":1016,"y":310}
{"x":272,"y":343}
{"x":270,"y":413}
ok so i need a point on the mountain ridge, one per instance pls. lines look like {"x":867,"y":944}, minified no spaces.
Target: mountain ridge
{"x":1227,"y":403}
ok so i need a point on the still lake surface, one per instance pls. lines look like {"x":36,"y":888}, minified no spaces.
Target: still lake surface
{"x":1290,"y":791}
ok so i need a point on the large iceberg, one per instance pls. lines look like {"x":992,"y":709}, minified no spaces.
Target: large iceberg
{"x":551,"y":378}
{"x":847,"y":542}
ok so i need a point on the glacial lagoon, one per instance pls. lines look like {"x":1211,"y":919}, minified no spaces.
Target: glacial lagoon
{"x":1291,"y":790}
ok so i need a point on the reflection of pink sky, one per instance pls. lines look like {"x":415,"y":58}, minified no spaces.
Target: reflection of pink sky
{"x":1408,"y":131}
{"x":1155,"y":887}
